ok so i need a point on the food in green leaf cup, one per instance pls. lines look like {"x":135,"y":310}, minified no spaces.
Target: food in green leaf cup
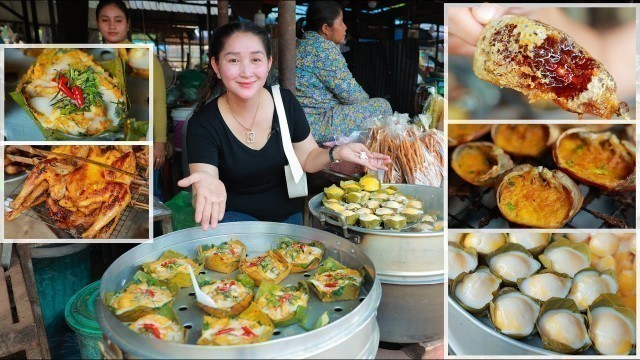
{"x":607,"y":315}
{"x":460,"y":260}
{"x":562,"y":327}
{"x":412,"y":214}
{"x":533,"y":242}
{"x":172,"y":269}
{"x":250,"y":327}
{"x":230,"y":296}
{"x":484,"y":243}
{"x":142,"y":296}
{"x":514,"y":313}
{"x":474,"y":290}
{"x":369,"y":221}
{"x":302,"y":256}
{"x":590,"y":283}
{"x":334,"y":192}
{"x":370,"y":183}
{"x":511,"y":262}
{"x":350,"y":186}
{"x":395,"y":222}
{"x":224,"y":257}
{"x":350,"y":217}
{"x":358,"y":197}
{"x":162,"y":325}
{"x":284,"y":305}
{"x":566,"y":257}
{"x":270,"y":266}
{"x":384,"y":212}
{"x":71,"y":97}
{"x":335,"y":282}
{"x":545,"y":285}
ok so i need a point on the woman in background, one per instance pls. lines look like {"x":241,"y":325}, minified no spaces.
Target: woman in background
{"x":335,"y":104}
{"x":113,"y":23}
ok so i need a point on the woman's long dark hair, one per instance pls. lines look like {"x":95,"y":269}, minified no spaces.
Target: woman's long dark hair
{"x":119,"y":3}
{"x":318,"y":14}
{"x":217,"y":43}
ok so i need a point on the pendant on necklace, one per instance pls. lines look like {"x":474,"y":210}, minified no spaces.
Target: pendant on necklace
{"x":250,"y":137}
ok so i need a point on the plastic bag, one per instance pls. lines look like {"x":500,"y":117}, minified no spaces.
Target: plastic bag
{"x":183,"y":215}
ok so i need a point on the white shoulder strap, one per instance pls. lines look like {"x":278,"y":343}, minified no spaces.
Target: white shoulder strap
{"x":296,"y":169}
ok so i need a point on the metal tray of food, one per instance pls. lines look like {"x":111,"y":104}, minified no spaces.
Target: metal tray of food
{"x":351,"y":332}
{"x":431,"y":197}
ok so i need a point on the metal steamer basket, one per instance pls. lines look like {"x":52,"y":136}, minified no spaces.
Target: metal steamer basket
{"x":470,"y":335}
{"x":351,"y":333}
{"x":410,"y":265}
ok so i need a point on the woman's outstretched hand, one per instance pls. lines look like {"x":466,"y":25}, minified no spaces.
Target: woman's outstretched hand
{"x":209,"y":198}
{"x":359,"y":154}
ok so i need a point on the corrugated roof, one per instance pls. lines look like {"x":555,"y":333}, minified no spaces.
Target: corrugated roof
{"x":174,"y":6}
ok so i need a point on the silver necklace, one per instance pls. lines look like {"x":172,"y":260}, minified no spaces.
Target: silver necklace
{"x":250,"y":133}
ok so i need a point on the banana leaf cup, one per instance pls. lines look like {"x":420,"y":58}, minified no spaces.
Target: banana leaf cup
{"x":224,"y":257}
{"x":334,"y":192}
{"x":250,"y":327}
{"x":143,"y":295}
{"x":559,"y":322}
{"x":231,"y":296}
{"x":172,"y":269}
{"x":283,"y":305}
{"x":302,"y":256}
{"x":270,"y":266}
{"x":115,"y":76}
{"x":335,"y":282}
{"x":162,"y":325}
{"x":608,"y":312}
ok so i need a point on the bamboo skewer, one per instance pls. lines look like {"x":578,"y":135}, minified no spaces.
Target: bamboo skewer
{"x":139,"y":205}
{"x":22,"y":159}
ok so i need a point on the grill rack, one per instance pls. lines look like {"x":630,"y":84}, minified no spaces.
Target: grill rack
{"x":473,"y":207}
{"x":122,"y":230}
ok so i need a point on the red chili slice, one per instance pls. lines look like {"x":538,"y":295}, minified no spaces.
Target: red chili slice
{"x":254,"y":263}
{"x":172,"y":261}
{"x":331,"y":284}
{"x":284,"y":298}
{"x":149,"y":292}
{"x":153,"y":330}
{"x":231,"y":250}
{"x":77,"y":95}
{"x":224,"y":331}
{"x":248,"y":332}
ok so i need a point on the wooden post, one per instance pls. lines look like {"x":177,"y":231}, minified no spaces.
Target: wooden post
{"x":223,"y":12}
{"x":287,"y":44}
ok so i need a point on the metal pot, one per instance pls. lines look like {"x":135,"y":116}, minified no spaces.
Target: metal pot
{"x":410,"y":265}
{"x":351,"y":333}
{"x":469,"y":335}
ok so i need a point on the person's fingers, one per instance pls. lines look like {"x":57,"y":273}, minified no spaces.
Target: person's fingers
{"x":206,"y":214}
{"x":215,"y":213}
{"x":459,"y":47}
{"x":199,"y":208}
{"x":221,"y":210}
{"x":188,"y":180}
{"x":463,"y":25}
{"x":485,"y":13}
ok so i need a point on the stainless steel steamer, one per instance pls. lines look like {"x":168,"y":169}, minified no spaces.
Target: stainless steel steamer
{"x":352,"y":332}
{"x":410,"y":266}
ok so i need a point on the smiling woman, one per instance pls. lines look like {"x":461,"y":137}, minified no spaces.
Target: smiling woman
{"x":234,"y":144}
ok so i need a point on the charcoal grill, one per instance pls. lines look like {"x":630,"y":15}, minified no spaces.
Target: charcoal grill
{"x":473,"y":207}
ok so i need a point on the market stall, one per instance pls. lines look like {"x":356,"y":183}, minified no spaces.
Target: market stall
{"x":399,"y":298}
